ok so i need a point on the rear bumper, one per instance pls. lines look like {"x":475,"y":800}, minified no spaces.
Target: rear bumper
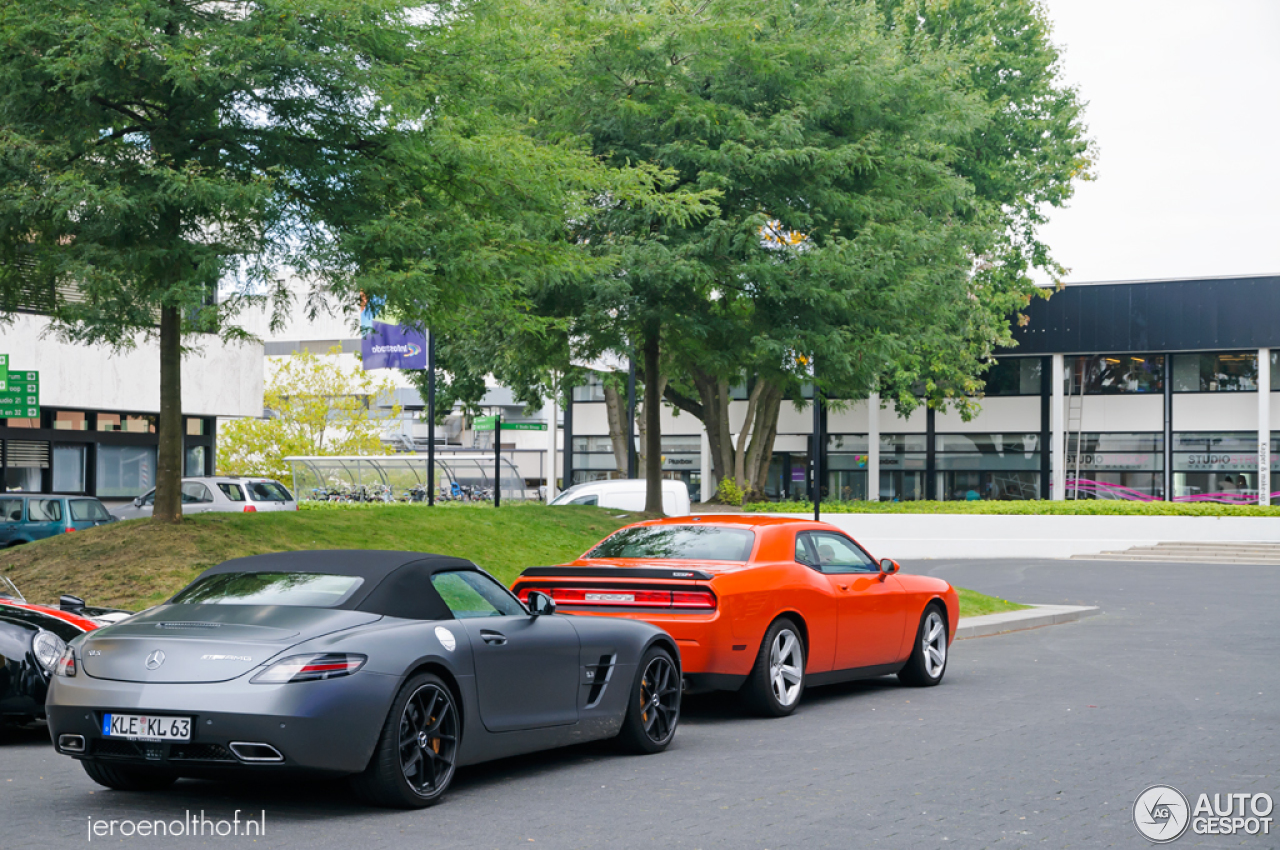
{"x":327,"y":727}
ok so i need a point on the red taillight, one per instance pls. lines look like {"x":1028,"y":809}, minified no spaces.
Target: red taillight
{"x":250,"y":509}
{"x":700,"y":599}
{"x":70,"y":528}
{"x":626,"y":597}
{"x":310,"y":668}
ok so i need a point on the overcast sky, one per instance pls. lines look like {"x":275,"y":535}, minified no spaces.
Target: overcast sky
{"x":1184,"y":103}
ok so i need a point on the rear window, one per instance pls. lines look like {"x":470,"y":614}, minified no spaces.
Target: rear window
{"x":307,"y":590}
{"x":88,"y":510}
{"x":678,"y":542}
{"x":267,"y":491}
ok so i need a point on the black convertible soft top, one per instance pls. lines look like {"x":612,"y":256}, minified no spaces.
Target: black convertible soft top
{"x":396,"y":584}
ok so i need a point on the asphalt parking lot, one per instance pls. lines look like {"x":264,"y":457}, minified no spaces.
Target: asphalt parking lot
{"x":1038,"y":738}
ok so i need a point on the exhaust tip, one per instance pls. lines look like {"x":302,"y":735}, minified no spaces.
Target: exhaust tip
{"x":255,"y":752}
{"x":71,"y":743}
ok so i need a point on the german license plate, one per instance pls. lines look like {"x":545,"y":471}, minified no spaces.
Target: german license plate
{"x":144,"y":727}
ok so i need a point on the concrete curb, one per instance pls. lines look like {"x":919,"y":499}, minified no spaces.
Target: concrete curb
{"x":1016,"y":621}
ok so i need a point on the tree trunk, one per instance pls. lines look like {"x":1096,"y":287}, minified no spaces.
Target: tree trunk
{"x":653,"y":423}
{"x":168,"y":506}
{"x":615,"y":409}
{"x":764,"y":432}
{"x":714,"y":413}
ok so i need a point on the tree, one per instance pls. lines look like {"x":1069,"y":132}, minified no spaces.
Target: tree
{"x":161,"y":160}
{"x":881,"y":170}
{"x":315,"y":407}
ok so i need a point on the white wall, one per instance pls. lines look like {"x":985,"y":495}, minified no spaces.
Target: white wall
{"x":1011,"y":414}
{"x":992,"y":536}
{"x":217,"y":379}
{"x":1215,"y":412}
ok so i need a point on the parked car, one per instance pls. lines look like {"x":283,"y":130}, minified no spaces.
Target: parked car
{"x":32,"y":639}
{"x":392,"y":668}
{"x":27,"y":517}
{"x":764,"y":605}
{"x":219,"y":493}
{"x":626,"y":494}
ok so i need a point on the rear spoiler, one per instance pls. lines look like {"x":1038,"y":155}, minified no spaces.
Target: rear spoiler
{"x":616,"y":572}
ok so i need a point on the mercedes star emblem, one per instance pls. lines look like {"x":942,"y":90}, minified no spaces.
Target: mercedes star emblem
{"x":155,"y":659}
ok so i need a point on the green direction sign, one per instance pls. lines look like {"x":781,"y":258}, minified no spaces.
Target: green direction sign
{"x":21,"y":397}
{"x":486,"y":423}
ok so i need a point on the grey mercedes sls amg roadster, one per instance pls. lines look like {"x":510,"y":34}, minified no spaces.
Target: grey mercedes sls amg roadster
{"x":391,"y":668}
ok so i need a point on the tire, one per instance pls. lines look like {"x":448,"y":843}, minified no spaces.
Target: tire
{"x":127,"y":778}
{"x":653,"y":708}
{"x":776,"y":682}
{"x":928,"y":662}
{"x":417,"y":752}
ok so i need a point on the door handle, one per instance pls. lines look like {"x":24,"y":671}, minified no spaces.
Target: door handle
{"x":843,"y":586}
{"x":493,"y":638}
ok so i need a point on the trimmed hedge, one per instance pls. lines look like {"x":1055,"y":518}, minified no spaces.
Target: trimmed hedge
{"x":1083,"y":507}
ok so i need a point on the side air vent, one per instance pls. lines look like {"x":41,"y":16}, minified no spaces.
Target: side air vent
{"x":188,"y":625}
{"x":600,"y":678}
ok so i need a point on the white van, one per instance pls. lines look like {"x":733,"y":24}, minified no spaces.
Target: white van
{"x":627,"y":494}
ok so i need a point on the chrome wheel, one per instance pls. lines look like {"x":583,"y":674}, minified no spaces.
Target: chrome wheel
{"x":660,"y":700}
{"x":428,"y":740}
{"x":786,"y":667}
{"x":933,"y":644}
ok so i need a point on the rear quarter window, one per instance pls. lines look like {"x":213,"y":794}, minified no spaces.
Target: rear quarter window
{"x":307,"y":590}
{"x":88,"y":510}
{"x":44,"y":510}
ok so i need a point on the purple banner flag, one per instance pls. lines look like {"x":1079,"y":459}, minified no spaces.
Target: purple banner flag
{"x":394,"y":347}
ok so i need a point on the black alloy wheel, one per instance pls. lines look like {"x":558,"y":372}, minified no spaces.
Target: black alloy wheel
{"x":417,"y":752}
{"x":653,"y":711}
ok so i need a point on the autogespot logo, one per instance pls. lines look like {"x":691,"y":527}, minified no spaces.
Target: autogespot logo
{"x":1161,"y":814}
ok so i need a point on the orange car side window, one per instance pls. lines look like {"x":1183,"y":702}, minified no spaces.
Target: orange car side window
{"x":838,"y":554}
{"x":804,"y":554}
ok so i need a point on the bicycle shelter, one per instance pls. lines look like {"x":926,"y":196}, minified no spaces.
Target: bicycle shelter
{"x":316,"y":478}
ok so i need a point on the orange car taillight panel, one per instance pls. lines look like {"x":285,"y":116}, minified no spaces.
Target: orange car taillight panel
{"x":627,"y":597}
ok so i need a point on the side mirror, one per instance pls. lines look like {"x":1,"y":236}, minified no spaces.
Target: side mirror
{"x":137,"y":503}
{"x":67,"y":602}
{"x":888,"y":567}
{"x":540,"y":603}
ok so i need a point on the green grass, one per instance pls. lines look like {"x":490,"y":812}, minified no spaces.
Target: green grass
{"x":1084,"y":507}
{"x":974,"y":604}
{"x":138,"y":563}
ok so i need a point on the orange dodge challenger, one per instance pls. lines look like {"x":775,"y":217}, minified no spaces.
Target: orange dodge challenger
{"x":764,"y":605}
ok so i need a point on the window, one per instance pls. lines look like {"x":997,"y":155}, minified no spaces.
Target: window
{"x":1115,"y":466}
{"x":988,"y":466}
{"x":585,"y":500}
{"x":267,"y":491}
{"x":231,"y":491}
{"x":194,"y":491}
{"x":1218,"y":372}
{"x":68,"y":467}
{"x":1116,"y":374}
{"x":44,"y":510}
{"x":471,"y":594}
{"x":125,"y":471}
{"x":10,"y":510}
{"x":195,"y":427}
{"x":88,"y":510}
{"x":149,"y":499}
{"x":833,"y":554}
{"x":133,"y":423}
{"x":592,"y":390}
{"x":1014,"y":376}
{"x":193,"y":463}
{"x":678,"y":542}
{"x":70,"y":420}
{"x":305,"y":590}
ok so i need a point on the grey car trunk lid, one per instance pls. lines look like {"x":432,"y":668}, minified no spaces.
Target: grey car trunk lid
{"x":205,"y":643}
